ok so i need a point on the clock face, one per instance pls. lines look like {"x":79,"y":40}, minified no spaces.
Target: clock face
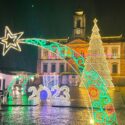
{"x":77,"y":31}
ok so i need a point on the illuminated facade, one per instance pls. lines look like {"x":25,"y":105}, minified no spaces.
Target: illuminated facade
{"x":115,"y":53}
{"x":55,"y":69}
{"x":51,"y":62}
{"x":114,"y":47}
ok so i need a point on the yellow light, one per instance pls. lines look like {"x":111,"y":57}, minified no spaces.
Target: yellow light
{"x":92,"y":121}
{"x":7,"y":45}
{"x":79,"y":12}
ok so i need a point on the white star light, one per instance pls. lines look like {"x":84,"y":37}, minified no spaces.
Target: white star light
{"x":10,"y":40}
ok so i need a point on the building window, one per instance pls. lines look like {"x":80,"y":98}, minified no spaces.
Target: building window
{"x":114,"y":52}
{"x":73,"y":76}
{"x":45,"y":67}
{"x":115,"y":68}
{"x":53,"y":67}
{"x":78,"y":23}
{"x":53,"y":55}
{"x":106,"y":51}
{"x":45,"y":53}
{"x":62,"y":67}
{"x":82,"y":53}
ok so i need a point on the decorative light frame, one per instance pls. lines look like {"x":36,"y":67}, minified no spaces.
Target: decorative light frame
{"x":91,"y":79}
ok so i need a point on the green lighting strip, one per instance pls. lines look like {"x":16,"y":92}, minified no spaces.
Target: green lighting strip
{"x":25,"y":80}
{"x":63,"y":51}
{"x":9,"y":89}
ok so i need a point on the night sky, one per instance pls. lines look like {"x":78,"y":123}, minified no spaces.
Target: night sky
{"x":54,"y":19}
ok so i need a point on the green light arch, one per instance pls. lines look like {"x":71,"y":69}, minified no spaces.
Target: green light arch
{"x":101,"y":105}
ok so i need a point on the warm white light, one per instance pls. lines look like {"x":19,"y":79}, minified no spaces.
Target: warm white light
{"x":17,"y":92}
{"x":15,"y":77}
{"x":32,"y":78}
{"x":17,"y":88}
{"x":79,"y":12}
{"x":7,"y":45}
{"x":92,"y":121}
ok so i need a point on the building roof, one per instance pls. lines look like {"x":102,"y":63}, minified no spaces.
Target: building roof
{"x":59,"y":40}
{"x":109,"y":39}
{"x":77,"y":41}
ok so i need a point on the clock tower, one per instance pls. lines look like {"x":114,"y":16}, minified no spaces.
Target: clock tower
{"x":79,"y":24}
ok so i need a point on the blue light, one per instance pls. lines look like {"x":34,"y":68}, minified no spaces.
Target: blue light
{"x":53,"y":92}
{"x":43,"y":95}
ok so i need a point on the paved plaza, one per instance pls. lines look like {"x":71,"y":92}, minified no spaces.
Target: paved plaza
{"x":76,"y":114}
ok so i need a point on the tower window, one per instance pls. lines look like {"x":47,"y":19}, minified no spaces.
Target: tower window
{"x":78,"y":23}
{"x":45,"y":67}
{"x":115,"y":68}
{"x":53,"y":67}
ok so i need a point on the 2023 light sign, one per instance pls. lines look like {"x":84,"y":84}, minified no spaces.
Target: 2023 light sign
{"x":56,"y":95}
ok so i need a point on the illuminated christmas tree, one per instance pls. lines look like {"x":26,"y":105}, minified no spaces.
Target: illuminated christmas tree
{"x":96,"y":56}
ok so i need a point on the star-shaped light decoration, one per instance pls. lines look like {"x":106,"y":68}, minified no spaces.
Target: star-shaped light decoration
{"x":10,"y":40}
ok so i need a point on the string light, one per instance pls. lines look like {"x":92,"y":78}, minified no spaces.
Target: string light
{"x":10,"y":40}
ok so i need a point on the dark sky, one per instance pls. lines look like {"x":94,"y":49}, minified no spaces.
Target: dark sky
{"x":54,"y":19}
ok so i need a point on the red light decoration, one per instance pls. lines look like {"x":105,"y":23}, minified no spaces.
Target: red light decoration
{"x":110,"y":109}
{"x":93,"y":92}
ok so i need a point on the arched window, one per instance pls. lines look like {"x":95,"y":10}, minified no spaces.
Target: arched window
{"x":114,"y":68}
{"x":78,"y":23}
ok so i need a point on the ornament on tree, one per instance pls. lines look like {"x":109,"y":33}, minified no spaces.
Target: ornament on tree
{"x":93,"y":92}
{"x":110,"y":109}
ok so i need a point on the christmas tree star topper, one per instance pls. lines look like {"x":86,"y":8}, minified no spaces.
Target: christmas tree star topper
{"x":10,"y":40}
